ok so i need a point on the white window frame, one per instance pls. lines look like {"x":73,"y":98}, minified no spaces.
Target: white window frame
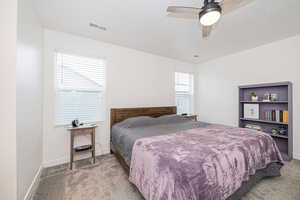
{"x":190,"y":93}
{"x":58,"y":87}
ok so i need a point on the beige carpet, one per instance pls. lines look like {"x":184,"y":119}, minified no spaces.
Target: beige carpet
{"x":106,"y":180}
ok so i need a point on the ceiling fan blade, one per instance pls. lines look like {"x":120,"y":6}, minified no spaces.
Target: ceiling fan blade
{"x":206,"y":31}
{"x":183,"y":15}
{"x":181,"y":9}
{"x":231,"y":5}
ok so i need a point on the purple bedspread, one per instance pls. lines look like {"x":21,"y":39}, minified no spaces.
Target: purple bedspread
{"x":199,"y":164}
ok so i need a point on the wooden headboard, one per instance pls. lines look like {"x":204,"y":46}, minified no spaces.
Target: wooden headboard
{"x":120,"y":114}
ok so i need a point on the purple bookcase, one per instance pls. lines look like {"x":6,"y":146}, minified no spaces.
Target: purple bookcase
{"x":284,"y":102}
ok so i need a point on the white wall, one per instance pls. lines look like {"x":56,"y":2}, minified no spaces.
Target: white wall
{"x":134,"y":79}
{"x":29,"y":96}
{"x":8,"y":38}
{"x":218,"y":80}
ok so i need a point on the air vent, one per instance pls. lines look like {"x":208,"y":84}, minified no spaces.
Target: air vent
{"x":102,"y":28}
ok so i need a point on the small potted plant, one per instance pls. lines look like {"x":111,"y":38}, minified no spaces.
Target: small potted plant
{"x":253,"y":96}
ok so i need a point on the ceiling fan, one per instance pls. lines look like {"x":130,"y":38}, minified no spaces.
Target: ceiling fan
{"x":209,"y":14}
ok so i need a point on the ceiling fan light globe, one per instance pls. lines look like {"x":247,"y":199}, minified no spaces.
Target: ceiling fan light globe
{"x":210,"y":18}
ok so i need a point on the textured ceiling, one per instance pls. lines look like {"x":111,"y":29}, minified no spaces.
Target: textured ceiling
{"x":143,"y":25}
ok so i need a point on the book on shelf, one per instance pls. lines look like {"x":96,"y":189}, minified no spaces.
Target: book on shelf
{"x":285,"y":116}
{"x":281,"y":115}
{"x":273,"y":115}
{"x":276,"y":115}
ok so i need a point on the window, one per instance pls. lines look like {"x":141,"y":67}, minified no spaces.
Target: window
{"x":184,"y":88}
{"x":79,"y":89}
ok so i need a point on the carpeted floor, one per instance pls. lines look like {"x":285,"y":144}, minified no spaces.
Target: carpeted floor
{"x":106,"y":180}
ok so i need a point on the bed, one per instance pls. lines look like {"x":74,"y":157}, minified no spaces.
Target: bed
{"x":170,"y":157}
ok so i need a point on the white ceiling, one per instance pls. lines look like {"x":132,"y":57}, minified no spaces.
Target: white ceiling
{"x":143,"y":25}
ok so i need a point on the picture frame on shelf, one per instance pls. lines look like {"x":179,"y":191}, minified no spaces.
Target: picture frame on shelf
{"x":251,"y":111}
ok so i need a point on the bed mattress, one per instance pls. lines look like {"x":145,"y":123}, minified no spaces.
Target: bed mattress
{"x":126,"y":134}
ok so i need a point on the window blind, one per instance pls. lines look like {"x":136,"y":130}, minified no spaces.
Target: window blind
{"x":80,"y":84}
{"x":184,"y":89}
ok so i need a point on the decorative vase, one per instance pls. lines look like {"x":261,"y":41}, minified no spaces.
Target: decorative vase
{"x":254,"y":98}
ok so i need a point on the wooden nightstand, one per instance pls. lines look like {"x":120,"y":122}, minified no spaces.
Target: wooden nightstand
{"x":191,"y":117}
{"x":82,"y":130}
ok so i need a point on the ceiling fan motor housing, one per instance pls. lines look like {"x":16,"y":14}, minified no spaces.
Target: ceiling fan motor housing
{"x":209,"y":7}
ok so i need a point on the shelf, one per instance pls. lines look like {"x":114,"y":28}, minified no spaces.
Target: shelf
{"x":284,"y":91}
{"x":263,"y":121}
{"x":266,"y":102}
{"x":266,"y":85}
{"x":278,"y":136}
{"x":84,"y":151}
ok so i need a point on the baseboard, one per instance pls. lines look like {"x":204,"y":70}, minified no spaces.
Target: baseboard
{"x":34,"y":184}
{"x":296,"y":156}
{"x":65,"y":160}
{"x":55,"y":162}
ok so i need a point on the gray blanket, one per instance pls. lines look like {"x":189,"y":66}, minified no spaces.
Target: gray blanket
{"x":124,"y":134}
